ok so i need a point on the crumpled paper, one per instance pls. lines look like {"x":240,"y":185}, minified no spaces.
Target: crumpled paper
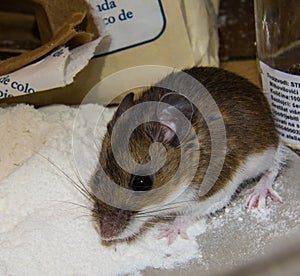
{"x":69,"y":40}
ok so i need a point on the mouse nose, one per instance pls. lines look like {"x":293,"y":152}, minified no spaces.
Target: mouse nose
{"x":113,"y":223}
{"x":141,"y":183}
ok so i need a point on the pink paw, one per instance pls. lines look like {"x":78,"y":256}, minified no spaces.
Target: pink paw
{"x":257,"y":196}
{"x":171,"y":231}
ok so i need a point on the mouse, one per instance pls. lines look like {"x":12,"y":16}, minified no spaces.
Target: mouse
{"x":159,"y":146}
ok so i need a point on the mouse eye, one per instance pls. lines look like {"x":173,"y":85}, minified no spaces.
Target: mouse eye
{"x":141,"y":183}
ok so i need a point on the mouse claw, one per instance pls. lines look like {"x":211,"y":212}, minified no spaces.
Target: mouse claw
{"x":171,"y":231}
{"x":171,"y":234}
{"x":257,"y":196}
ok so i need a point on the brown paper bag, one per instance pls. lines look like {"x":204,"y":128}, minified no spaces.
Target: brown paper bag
{"x":174,"y":33}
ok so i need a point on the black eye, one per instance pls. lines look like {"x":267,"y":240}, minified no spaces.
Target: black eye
{"x":141,"y":183}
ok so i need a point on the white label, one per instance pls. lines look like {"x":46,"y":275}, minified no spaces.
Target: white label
{"x":55,"y":70}
{"x":283,"y":92}
{"x":129,"y":22}
{"x":31,"y":78}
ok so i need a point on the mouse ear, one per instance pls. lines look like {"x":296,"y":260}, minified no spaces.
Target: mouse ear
{"x":125,"y":104}
{"x":172,"y":127}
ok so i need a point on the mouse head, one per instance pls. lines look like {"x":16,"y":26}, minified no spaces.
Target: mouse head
{"x":141,"y":164}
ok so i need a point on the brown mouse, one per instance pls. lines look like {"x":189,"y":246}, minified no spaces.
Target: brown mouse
{"x":160,"y":157}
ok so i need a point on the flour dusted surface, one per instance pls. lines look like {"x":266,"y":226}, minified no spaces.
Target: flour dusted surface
{"x":43,"y":233}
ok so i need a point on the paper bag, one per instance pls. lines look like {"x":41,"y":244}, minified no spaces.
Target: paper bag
{"x":174,"y":33}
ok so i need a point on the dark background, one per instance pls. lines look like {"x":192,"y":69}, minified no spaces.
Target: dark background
{"x":236,"y":30}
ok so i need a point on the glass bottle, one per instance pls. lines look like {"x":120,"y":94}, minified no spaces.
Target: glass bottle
{"x":278,"y":53}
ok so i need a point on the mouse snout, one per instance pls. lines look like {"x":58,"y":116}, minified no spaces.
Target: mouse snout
{"x":113,"y":223}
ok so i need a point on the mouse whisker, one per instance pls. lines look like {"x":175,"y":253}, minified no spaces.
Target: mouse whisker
{"x":149,"y":214}
{"x":84,"y":215}
{"x":149,"y":222}
{"x":76,"y":204}
{"x":80,"y":188}
{"x":179,"y":204}
{"x":170,"y":206}
{"x":144,"y":217}
{"x":86,"y":190}
{"x":157,"y":209}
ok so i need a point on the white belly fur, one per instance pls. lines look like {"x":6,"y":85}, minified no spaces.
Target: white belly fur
{"x":254,"y":165}
{"x":186,"y":205}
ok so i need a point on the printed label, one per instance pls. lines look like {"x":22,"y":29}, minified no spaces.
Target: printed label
{"x":129,"y":22}
{"x":8,"y":84}
{"x":10,"y":87}
{"x":35,"y":77}
{"x":283,"y":92}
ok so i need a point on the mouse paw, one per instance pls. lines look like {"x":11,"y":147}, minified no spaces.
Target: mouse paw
{"x":257,"y":196}
{"x":177,"y":228}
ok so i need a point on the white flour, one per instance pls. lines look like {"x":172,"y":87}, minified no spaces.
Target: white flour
{"x":40,"y":233}
{"x":43,"y":233}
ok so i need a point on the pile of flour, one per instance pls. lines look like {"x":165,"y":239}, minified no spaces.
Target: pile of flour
{"x":44,"y":232}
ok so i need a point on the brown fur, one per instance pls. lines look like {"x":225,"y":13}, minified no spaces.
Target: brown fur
{"x":249,"y":129}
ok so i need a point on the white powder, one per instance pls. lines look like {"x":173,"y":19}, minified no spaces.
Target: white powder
{"x":18,"y":138}
{"x":42,"y":233}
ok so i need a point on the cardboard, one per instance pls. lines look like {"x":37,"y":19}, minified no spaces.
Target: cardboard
{"x":185,"y":37}
{"x":59,"y":23}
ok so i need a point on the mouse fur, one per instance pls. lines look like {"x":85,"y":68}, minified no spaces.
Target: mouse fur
{"x":252,"y":149}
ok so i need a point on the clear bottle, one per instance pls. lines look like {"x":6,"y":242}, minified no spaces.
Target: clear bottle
{"x":278,"y":53}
